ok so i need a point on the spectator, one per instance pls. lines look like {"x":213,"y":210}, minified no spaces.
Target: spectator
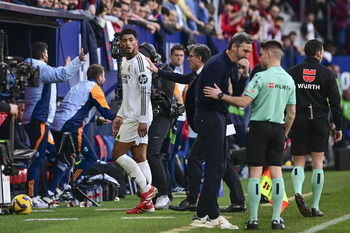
{"x":173,"y":5}
{"x":114,"y":17}
{"x":145,"y":12}
{"x":62,"y":4}
{"x":227,"y":21}
{"x":341,"y":15}
{"x":307,"y":29}
{"x":199,"y":11}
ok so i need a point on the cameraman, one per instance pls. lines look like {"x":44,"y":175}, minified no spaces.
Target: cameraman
{"x":40,"y":108}
{"x":162,"y":94}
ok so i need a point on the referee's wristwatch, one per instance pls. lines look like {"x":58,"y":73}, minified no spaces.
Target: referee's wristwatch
{"x":220,"y":95}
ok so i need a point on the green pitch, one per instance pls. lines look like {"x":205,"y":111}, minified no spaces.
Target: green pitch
{"x":335,"y":204}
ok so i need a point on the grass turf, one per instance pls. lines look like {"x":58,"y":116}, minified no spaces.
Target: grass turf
{"x":335,"y":203}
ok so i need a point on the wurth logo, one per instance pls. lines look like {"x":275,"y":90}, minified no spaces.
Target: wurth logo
{"x":271,"y":85}
{"x":309,"y":75}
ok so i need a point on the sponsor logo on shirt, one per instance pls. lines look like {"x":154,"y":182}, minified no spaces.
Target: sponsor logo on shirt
{"x":309,"y":75}
{"x":309,"y":86}
{"x":279,"y":86}
{"x":143,"y":79}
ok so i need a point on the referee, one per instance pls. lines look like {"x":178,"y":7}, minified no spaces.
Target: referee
{"x":273,"y":92}
{"x":316,"y":89}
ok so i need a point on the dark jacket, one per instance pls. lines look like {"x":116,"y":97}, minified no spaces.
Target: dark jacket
{"x":314,"y":85}
{"x":191,"y":79}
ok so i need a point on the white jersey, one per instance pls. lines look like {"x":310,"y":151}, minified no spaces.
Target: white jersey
{"x":137,"y":80}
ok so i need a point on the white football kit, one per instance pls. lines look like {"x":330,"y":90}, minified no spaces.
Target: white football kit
{"x":136,"y":106}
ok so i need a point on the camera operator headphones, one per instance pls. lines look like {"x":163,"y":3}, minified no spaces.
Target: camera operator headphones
{"x":148,"y":50}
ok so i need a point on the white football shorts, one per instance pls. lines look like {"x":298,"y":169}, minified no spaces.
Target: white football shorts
{"x":128,"y":132}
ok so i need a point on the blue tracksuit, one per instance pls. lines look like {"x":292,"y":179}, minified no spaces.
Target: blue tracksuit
{"x":77,"y":108}
{"x":40,"y":108}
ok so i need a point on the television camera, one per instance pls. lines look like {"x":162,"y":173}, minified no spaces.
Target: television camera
{"x":118,"y":54}
{"x":15,"y":76}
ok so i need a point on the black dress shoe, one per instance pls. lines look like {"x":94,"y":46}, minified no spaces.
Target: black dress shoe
{"x":235,"y":208}
{"x":316,"y":213}
{"x":304,"y":209}
{"x":184,"y":206}
{"x":252,"y":226}
{"x":277,"y":225}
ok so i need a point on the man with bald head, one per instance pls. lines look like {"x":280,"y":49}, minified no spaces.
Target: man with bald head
{"x":273,"y":92}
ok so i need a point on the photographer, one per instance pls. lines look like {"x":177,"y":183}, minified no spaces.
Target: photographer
{"x":40,"y":108}
{"x":162,"y":93}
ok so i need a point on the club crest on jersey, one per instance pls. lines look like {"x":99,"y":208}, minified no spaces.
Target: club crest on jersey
{"x":309,"y":75}
{"x":143,"y":79}
{"x":129,"y":68}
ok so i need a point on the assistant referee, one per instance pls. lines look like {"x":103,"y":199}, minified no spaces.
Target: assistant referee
{"x":316,"y":89}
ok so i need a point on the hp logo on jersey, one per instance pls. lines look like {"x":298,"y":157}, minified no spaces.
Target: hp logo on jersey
{"x":143,"y":79}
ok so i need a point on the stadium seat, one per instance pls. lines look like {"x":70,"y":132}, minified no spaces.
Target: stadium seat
{"x":101,"y":147}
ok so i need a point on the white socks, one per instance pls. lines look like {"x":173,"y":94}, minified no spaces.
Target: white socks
{"x":146,"y":171}
{"x":133,"y":170}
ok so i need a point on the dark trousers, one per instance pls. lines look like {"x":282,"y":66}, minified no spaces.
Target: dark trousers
{"x":195,"y":160}
{"x":157,"y":131}
{"x":211,"y":127}
{"x":38,"y":135}
{"x":82,"y":165}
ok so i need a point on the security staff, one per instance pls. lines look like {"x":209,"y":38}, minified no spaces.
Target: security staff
{"x":316,"y":89}
{"x":162,"y":94}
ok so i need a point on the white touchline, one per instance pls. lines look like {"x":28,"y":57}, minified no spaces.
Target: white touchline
{"x":155,"y":217}
{"x":105,"y":209}
{"x":38,"y":211}
{"x":182,"y":229}
{"x":327,"y":224}
{"x":50,"y":219}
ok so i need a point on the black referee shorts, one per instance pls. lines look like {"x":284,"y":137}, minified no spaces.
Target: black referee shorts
{"x":265,"y":143}
{"x":309,"y":136}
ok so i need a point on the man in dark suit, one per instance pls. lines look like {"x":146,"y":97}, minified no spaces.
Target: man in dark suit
{"x":198,"y":55}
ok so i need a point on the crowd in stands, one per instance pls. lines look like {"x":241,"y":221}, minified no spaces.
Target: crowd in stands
{"x":262,"y":19}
